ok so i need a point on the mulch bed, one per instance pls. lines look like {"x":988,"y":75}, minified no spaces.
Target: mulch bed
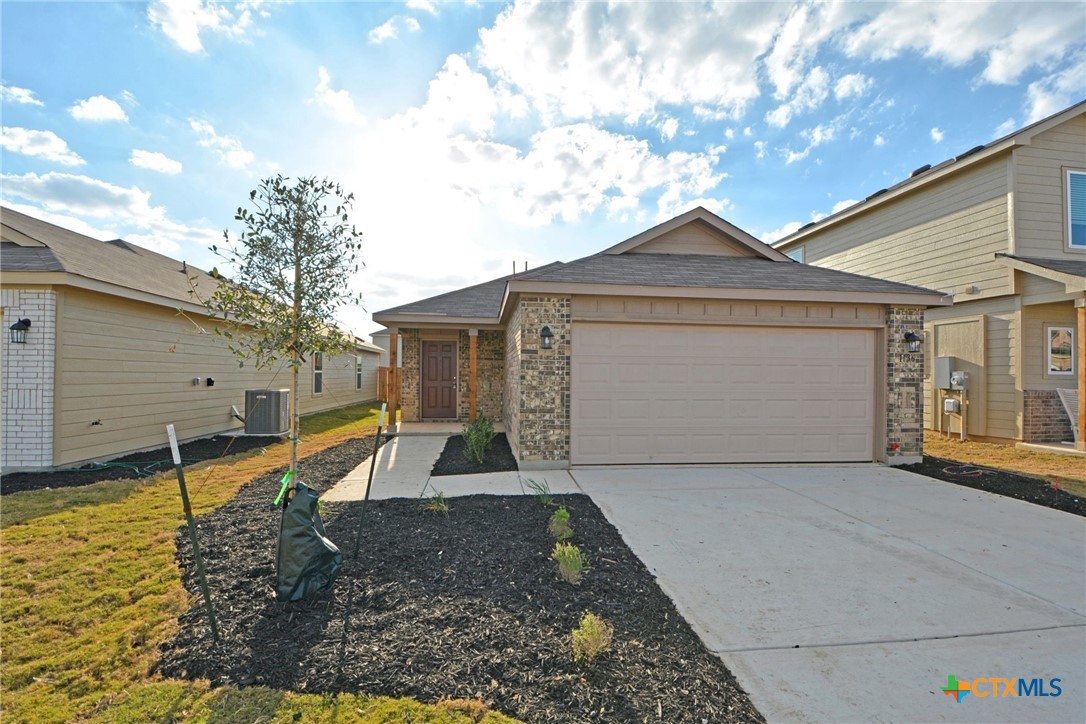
{"x":498,"y":458}
{"x":137,"y":465}
{"x":1022,"y":487}
{"x":466,"y":604}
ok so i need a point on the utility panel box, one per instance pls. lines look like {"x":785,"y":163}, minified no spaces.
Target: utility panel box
{"x":267,"y":412}
{"x":959,"y":380}
{"x":952,"y":406}
{"x":941,"y":373}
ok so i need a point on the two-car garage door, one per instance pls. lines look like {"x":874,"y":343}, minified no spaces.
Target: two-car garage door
{"x":652,"y":393}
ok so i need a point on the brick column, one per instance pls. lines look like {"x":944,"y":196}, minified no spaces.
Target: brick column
{"x":904,"y":387}
{"x":28,"y":379}
{"x":544,"y":383}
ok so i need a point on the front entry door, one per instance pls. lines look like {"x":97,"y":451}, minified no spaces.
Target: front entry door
{"x":438,"y":380}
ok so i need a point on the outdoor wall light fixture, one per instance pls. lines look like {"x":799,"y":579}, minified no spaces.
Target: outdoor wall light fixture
{"x":546,"y":336}
{"x":18,"y":331}
{"x":913,"y":340}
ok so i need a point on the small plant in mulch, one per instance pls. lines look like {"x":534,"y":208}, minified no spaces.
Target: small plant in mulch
{"x":472,"y":708}
{"x":436,"y":503}
{"x":542,"y":491}
{"x":477,"y":437}
{"x":559,"y":525}
{"x":591,"y":638}
{"x":571,"y":562}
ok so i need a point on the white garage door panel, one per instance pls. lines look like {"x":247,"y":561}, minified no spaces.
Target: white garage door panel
{"x":674,"y":394}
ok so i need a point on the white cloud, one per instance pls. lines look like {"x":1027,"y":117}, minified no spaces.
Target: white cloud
{"x":390,"y":29}
{"x":815,"y":137}
{"x":40,"y":144}
{"x":14,"y":94}
{"x":760,"y":149}
{"x":116,"y":210}
{"x":585,"y":60}
{"x":790,"y":228}
{"x":1058,"y":90}
{"x":809,"y":95}
{"x":748,"y":132}
{"x":937,"y":135}
{"x":879,"y":140}
{"x":155,"y":161}
{"x":184,"y":21}
{"x":227,"y":148}
{"x":729,"y":133}
{"x":844,"y":204}
{"x":1007,"y":126}
{"x":338,"y":103}
{"x":424,"y":5}
{"x":668,"y":128}
{"x":851,"y":85}
{"x":98,"y":109}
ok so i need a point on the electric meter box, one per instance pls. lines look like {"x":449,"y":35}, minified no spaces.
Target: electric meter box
{"x":944,"y":366}
{"x":959,"y":380}
{"x":952,"y":406}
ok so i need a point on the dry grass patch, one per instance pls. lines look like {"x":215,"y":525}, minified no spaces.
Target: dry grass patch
{"x":1070,"y":469}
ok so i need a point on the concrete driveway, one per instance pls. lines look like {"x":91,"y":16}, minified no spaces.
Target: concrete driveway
{"x":851,"y":593}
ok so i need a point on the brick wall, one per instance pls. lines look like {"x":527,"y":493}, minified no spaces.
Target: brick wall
{"x":511,"y":392}
{"x":542,"y":420}
{"x":28,"y":379}
{"x":1044,"y":418}
{"x":411,"y":376}
{"x":904,"y":387}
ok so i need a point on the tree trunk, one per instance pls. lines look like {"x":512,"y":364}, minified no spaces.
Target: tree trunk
{"x":295,"y":354}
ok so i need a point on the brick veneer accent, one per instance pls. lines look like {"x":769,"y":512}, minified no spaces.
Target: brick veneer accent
{"x":904,"y":387}
{"x":411,"y":376}
{"x":28,"y":379}
{"x":538,"y":381}
{"x":489,"y":373}
{"x":1044,"y":418}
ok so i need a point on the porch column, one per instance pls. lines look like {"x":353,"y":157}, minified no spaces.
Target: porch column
{"x":393,"y":374}
{"x":473,"y":343}
{"x":1081,"y":362}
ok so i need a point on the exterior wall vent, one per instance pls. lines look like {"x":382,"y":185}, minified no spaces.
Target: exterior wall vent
{"x":267,"y":412}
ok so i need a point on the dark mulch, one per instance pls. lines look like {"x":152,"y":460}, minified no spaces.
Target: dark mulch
{"x":137,"y":465}
{"x":464,"y":605}
{"x":1022,"y":487}
{"x":498,"y":459}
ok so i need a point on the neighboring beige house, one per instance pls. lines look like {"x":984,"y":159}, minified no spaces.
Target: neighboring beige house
{"x":692,"y":342}
{"x":1003,"y":228}
{"x":117,"y":349}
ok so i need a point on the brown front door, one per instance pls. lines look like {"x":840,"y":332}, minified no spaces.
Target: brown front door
{"x":438,"y":380}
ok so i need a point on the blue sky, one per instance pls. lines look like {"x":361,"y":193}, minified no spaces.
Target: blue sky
{"x":478,"y":134}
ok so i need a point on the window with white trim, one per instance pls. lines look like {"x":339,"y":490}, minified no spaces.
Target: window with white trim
{"x":358,"y":373}
{"x":796,"y":254}
{"x":1076,"y":209}
{"x":318,"y":373}
{"x":1060,"y":350}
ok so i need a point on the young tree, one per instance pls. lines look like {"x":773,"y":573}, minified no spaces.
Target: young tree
{"x":292,"y":270}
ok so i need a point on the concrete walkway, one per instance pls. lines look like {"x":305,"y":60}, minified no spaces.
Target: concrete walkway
{"x":850,"y":594}
{"x":403,"y":471}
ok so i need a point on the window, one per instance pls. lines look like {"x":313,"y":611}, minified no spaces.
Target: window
{"x":318,"y":373}
{"x":796,"y":254}
{"x":358,"y":373}
{"x":1076,"y":209}
{"x":1060,"y":350}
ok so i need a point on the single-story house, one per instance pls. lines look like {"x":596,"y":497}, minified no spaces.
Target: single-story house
{"x":112,"y":347}
{"x":692,"y":342}
{"x":1002,"y":227}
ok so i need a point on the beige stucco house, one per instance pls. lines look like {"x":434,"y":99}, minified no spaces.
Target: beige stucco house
{"x":692,"y":342}
{"x":117,"y":348}
{"x":1002,"y":227}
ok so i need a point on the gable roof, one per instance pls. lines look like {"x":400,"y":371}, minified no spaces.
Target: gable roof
{"x":928,"y":173}
{"x":618,"y":271}
{"x":1070,"y":272}
{"x":704,"y":216}
{"x":38,"y":247}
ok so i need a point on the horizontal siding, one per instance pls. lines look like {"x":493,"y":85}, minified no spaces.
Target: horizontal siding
{"x":1040,"y":193}
{"x":130,"y":366}
{"x":698,"y":311}
{"x":944,"y":236}
{"x":1035,"y":361}
{"x":695,"y":238}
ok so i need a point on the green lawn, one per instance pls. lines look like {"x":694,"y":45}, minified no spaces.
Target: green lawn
{"x":90,"y":590}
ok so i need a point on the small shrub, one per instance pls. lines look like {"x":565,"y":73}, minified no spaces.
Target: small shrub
{"x":436,"y":503}
{"x":542,"y":491}
{"x":591,"y":638}
{"x":559,"y":525}
{"x":477,"y":437}
{"x":571,"y":561}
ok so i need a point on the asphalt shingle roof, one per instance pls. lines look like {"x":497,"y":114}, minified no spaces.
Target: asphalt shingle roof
{"x":1064,"y":266}
{"x":115,"y":262}
{"x":659,"y":270}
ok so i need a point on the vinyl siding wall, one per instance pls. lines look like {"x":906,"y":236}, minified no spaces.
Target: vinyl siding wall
{"x":1040,"y":193}
{"x":943,"y":236}
{"x":1035,"y":360}
{"x":130,"y":366}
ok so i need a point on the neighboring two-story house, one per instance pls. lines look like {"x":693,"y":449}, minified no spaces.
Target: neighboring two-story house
{"x":1001,"y":227}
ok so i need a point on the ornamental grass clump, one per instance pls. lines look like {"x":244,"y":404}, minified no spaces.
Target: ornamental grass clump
{"x":436,"y":503}
{"x":542,"y":491}
{"x":571,"y":562}
{"x":477,"y":438}
{"x":560,"y":526}
{"x":591,"y":638}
